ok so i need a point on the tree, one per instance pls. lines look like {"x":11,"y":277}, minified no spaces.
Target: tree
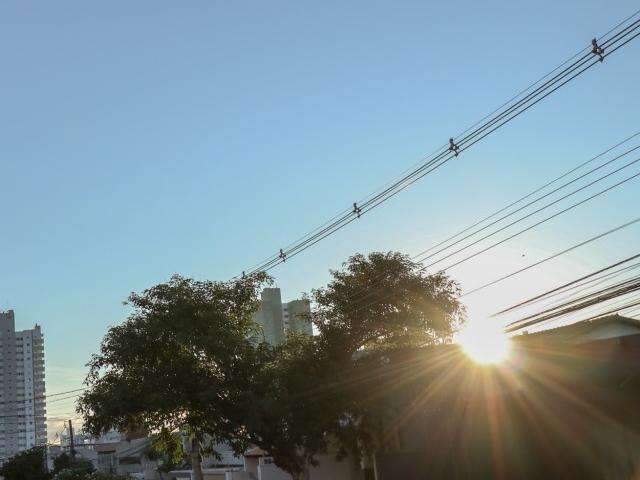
{"x":182,"y":361}
{"x":322,"y":391}
{"x":77,"y":469}
{"x":27,"y":465}
{"x":71,"y":474}
{"x":61,"y":462}
{"x":386,"y":301}
{"x":288,"y":420}
{"x":167,"y":450}
{"x":373,"y":313}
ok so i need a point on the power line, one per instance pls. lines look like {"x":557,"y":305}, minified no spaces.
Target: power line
{"x":633,"y":302}
{"x":415,"y":257}
{"x":577,"y":304}
{"x":44,"y":397}
{"x":528,"y":215}
{"x":46,"y":416}
{"x":514,"y":97}
{"x":630,"y":304}
{"x":592,"y":298}
{"x":458,"y":150}
{"x":284,"y":255}
{"x":587,"y":285}
{"x":512,"y":236}
{"x":536,"y":200}
{"x":530,"y":194}
{"x":551,"y":217}
{"x":65,"y":393}
{"x":587,"y":61}
{"x":64,"y":398}
{"x":551,"y":318}
{"x":551,"y":257}
{"x":564,"y":286}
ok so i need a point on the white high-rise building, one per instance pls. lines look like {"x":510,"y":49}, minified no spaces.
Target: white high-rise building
{"x":296,"y":316}
{"x":22,"y":391}
{"x":269,"y":316}
{"x":275,"y":318}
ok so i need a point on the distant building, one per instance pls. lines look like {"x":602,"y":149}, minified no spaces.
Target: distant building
{"x":269,"y":316}
{"x":296,"y":316}
{"x":81,"y":438}
{"x":22,"y":389}
{"x":276,"y":318}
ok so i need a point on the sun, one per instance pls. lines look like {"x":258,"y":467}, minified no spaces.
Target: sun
{"x":484,"y":342}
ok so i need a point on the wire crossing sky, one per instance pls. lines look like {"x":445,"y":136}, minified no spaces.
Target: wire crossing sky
{"x":615,"y":38}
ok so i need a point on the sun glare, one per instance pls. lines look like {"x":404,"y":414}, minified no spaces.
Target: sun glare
{"x":484,"y":342}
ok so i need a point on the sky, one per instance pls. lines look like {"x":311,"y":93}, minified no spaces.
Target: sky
{"x":143,"y":139}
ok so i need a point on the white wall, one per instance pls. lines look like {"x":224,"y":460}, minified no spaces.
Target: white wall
{"x":271,"y":472}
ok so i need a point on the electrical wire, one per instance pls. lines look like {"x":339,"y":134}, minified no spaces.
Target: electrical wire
{"x":551,"y":257}
{"x":510,"y":237}
{"x":536,"y":200}
{"x":43,"y":397}
{"x":365,"y":292}
{"x":574,"y":290}
{"x":577,"y":304}
{"x":564,"y":286}
{"x":551,"y":217}
{"x":588,"y":60}
{"x":530,"y":194}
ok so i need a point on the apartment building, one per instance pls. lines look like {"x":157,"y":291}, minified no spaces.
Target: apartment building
{"x":22,"y":388}
{"x":276,"y":318}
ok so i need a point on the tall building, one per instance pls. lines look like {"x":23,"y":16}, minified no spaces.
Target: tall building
{"x":276,"y":318}
{"x":22,"y":392}
{"x":269,"y":316}
{"x":296,"y":316}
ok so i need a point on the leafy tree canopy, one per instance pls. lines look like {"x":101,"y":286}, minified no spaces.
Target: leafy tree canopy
{"x":61,"y":462}
{"x":182,"y":360}
{"x":386,"y":301}
{"x":27,"y":465}
{"x":322,"y":392}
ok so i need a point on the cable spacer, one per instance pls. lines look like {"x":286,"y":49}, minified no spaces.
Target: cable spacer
{"x":597,"y":49}
{"x":356,"y":209}
{"x":283,"y":256}
{"x":453,"y":147}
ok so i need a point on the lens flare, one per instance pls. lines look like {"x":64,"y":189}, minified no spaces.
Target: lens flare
{"x":484,"y":342}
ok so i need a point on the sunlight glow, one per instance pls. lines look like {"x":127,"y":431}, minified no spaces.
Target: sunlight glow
{"x":484,"y":342}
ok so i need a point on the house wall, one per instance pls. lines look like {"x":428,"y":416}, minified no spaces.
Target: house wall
{"x":609,"y":331}
{"x":251,"y":465}
{"x":239,"y":476}
{"x":225,"y":457}
{"x":272,"y":472}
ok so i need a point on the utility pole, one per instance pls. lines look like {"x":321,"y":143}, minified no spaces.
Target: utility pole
{"x":73,"y":450}
{"x":46,"y":457}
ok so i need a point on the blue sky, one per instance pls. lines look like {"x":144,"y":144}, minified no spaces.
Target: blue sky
{"x":142,"y":139}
